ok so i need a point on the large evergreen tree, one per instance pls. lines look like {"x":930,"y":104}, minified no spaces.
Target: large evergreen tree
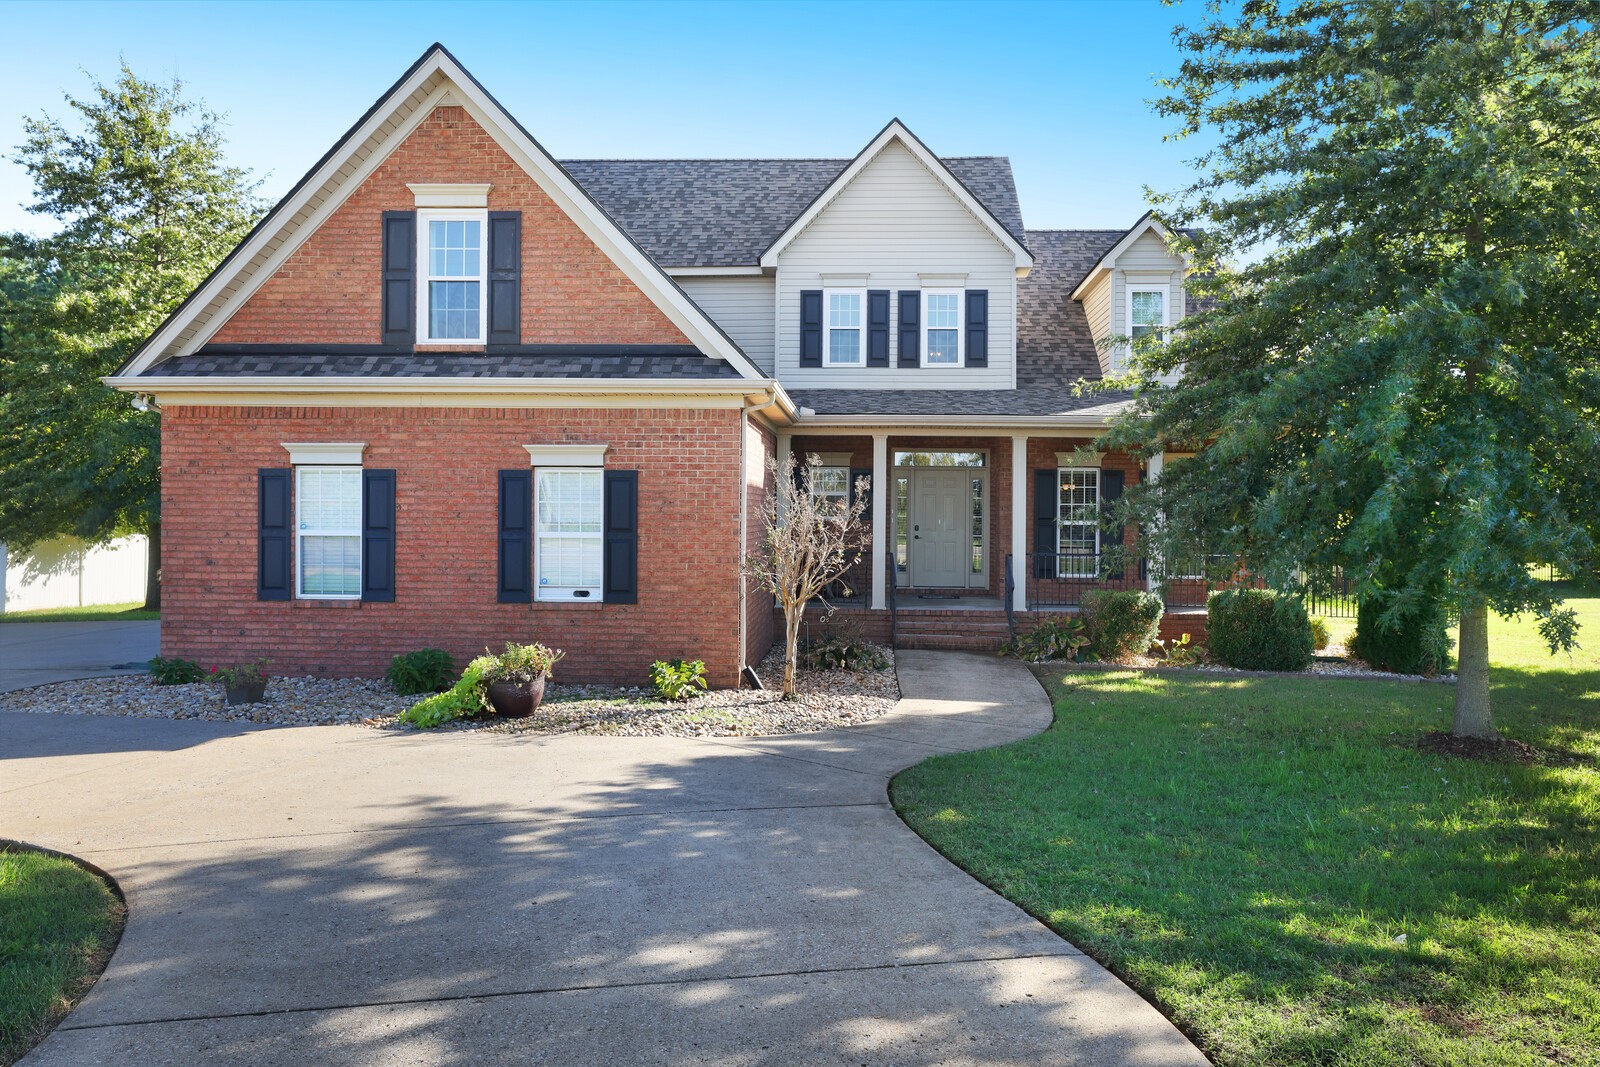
{"x":144,"y":205}
{"x":1406,"y":384}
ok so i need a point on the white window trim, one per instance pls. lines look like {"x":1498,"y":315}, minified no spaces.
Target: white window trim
{"x":1061,"y":525}
{"x":549,"y":595}
{"x":843,"y":496}
{"x":961,"y":327}
{"x":437,"y":194}
{"x":1125,"y":352}
{"x":424,"y":275}
{"x":828,"y":328}
{"x":300,"y":535}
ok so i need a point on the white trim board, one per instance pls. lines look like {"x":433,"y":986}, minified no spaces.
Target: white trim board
{"x":459,"y":89}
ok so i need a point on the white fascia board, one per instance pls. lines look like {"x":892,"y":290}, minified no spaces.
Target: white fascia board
{"x":1106,"y":262}
{"x":896,"y":131}
{"x":213,"y":288}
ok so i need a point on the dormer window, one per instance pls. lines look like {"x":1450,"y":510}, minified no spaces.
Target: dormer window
{"x":452,"y":296}
{"x":845,"y":347}
{"x":941,"y":328}
{"x":1147,"y":313}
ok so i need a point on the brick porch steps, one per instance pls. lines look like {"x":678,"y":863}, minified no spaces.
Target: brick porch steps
{"x":965,"y":631}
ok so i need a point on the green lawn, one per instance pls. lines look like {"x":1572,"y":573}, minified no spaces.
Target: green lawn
{"x":130,"y":612}
{"x":1274,"y":864}
{"x":58,"y":925}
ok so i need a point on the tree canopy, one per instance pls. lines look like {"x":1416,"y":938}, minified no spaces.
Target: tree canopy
{"x":144,"y":206}
{"x":1404,"y":385}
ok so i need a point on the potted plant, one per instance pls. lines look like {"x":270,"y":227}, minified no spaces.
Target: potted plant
{"x":515,"y":680}
{"x":243,"y":684}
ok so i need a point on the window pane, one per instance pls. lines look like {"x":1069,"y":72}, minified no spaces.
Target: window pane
{"x":452,"y":309}
{"x":844,"y":346}
{"x":330,"y":566}
{"x":938,"y":459}
{"x":944,"y":311}
{"x":942,"y":347}
{"x":830,"y":481}
{"x":569,"y":562}
{"x":1080,"y":517}
{"x":330,"y":499}
{"x":569,"y":501}
{"x":1147,"y":308}
{"x":844,"y":309}
{"x":977,"y":526}
{"x":454,"y":247}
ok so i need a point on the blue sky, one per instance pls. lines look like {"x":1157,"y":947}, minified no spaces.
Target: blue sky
{"x":1059,"y":87}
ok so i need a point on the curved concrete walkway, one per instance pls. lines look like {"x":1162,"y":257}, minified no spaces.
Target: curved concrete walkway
{"x":335,"y":895}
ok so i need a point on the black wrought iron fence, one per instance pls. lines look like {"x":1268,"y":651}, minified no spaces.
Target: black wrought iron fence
{"x":1060,"y":579}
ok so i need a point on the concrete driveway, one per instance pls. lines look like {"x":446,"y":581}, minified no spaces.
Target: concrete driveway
{"x":337,"y":895}
{"x":33,"y":653}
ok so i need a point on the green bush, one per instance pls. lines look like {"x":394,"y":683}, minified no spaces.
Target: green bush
{"x":175,"y":671}
{"x":1321,"y":633}
{"x":1121,"y":623}
{"x":843,"y":648}
{"x":1417,"y":643}
{"x":521,"y":663}
{"x":427,"y":670}
{"x":677,"y":679}
{"x":1258,"y":630}
{"x":463,"y":700}
{"x":1057,"y":637}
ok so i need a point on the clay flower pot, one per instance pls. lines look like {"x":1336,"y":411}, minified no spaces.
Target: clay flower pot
{"x":517,"y":700}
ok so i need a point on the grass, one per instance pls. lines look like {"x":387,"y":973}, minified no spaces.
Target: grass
{"x":1274,"y":864}
{"x":130,"y":612}
{"x":58,"y":925}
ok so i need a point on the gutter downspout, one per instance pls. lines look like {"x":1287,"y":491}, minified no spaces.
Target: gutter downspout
{"x":744,"y":523}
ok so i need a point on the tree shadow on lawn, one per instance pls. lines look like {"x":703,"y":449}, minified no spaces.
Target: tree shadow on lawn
{"x":643,"y":931}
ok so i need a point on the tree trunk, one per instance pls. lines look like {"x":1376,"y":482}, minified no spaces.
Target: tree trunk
{"x":1472,"y":675}
{"x":792,"y":614}
{"x":152,"y":572}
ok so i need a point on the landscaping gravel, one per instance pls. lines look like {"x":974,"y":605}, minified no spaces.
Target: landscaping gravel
{"x":828,"y":699}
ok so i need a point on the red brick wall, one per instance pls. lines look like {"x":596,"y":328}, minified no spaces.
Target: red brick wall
{"x":328,"y":290}
{"x":446,"y":518}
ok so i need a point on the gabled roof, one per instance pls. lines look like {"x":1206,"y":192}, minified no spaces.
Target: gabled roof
{"x":1147,"y":222}
{"x":896,"y":132}
{"x":435,"y":79}
{"x":726,"y":212}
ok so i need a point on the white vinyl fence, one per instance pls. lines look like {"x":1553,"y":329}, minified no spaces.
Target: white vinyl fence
{"x":69,"y":573}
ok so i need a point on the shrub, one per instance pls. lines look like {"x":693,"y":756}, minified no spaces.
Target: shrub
{"x":243,"y":674}
{"x":1057,"y":637}
{"x":1258,"y":630}
{"x":520,"y":663}
{"x":843,"y":648}
{"x":463,"y":700}
{"x":1121,"y":623}
{"x":1321,"y":633}
{"x":1418,"y":642}
{"x":676,"y":679}
{"x":427,"y":670}
{"x":175,"y":671}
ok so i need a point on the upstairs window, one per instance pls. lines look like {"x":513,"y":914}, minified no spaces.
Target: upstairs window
{"x":452,"y":293}
{"x":1147,"y":313}
{"x":845,"y":347}
{"x":941,"y":328}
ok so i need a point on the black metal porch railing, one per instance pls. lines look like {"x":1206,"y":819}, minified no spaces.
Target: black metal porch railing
{"x":1060,"y":580}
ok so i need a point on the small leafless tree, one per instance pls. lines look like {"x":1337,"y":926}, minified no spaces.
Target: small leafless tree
{"x":807,"y":543}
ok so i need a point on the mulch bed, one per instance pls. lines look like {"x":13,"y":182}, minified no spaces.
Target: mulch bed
{"x":1486,"y":749}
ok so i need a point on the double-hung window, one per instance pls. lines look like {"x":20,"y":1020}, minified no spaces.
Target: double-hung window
{"x":328,"y":532}
{"x":1078,"y":522}
{"x":1147,"y":313}
{"x":452,"y":297}
{"x":941,"y":328}
{"x":845,"y":309}
{"x":569,"y":532}
{"x":830,"y":487}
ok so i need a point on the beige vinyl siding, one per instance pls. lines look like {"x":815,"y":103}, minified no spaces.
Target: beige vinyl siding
{"x":894,"y":222}
{"x":1097,"y":307}
{"x":742,"y":306}
{"x":1148,"y":261}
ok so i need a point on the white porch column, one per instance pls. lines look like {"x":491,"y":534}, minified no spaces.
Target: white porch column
{"x":783,"y":461}
{"x":1019,"y":520}
{"x":1152,"y":473}
{"x":881,"y":488}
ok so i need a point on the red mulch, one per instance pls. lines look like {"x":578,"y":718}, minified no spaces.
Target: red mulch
{"x":1487,"y":749}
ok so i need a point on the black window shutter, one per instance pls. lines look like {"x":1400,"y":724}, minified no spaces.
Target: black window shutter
{"x":274,"y":536}
{"x":878,"y":328}
{"x":399,"y":278}
{"x":811,"y":327}
{"x":516,"y":537}
{"x":1111,"y":483}
{"x":977,"y":327}
{"x":377,"y":536}
{"x":621,"y":581}
{"x":1046,"y":513}
{"x":505,"y":278}
{"x":911,"y":327}
{"x":856,"y":474}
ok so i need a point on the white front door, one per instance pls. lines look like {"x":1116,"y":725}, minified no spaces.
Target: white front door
{"x":939,"y":518}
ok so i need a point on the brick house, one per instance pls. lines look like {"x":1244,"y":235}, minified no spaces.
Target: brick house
{"x":452,"y":392}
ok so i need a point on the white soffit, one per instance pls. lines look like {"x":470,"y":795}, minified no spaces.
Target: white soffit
{"x":329,"y":453}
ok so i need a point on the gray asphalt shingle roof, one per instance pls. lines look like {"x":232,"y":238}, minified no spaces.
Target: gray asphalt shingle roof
{"x":726,"y":212}
{"x":314,"y":364}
